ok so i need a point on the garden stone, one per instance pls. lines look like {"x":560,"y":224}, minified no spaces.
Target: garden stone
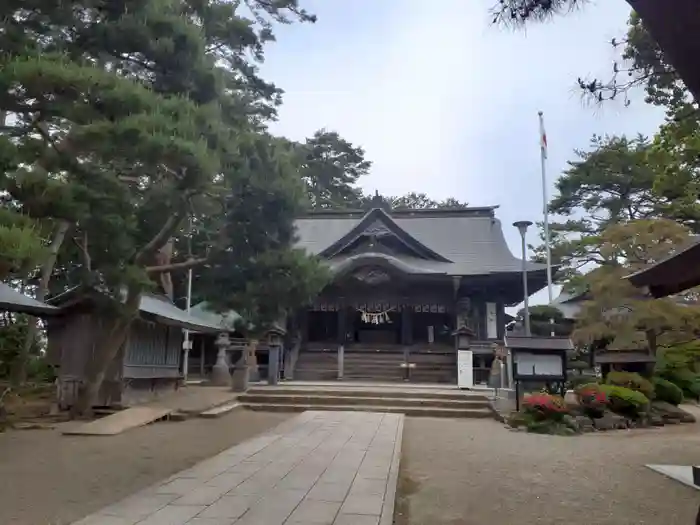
{"x":610,"y":421}
{"x":671,"y":412}
{"x":571,"y":422}
{"x":584,"y":424}
{"x":656,"y":420}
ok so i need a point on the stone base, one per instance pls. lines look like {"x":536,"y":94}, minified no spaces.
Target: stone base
{"x":220,"y":376}
{"x":240,"y":380}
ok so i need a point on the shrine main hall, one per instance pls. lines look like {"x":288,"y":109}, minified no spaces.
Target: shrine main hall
{"x":403,"y":281}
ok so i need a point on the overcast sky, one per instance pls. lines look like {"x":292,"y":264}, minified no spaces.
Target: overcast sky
{"x":445,"y":103}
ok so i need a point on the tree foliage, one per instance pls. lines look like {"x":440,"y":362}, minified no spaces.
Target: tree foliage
{"x":610,"y":183}
{"x":541,"y":317}
{"x":421,"y":201}
{"x":129,"y":120}
{"x":623,"y":314}
{"x":330,"y":167}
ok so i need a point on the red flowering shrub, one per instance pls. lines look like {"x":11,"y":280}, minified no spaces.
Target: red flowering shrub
{"x":592,"y":399}
{"x":545,"y":406}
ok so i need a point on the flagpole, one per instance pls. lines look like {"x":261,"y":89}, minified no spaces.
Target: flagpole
{"x":545,"y":213}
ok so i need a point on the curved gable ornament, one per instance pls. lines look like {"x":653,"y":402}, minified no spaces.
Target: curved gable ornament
{"x":376,"y":229}
{"x":373,"y":276}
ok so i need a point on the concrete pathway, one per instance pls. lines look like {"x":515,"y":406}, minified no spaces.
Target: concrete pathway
{"x":338,"y":468}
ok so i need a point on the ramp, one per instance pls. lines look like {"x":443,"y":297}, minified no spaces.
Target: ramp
{"x":120,"y":422}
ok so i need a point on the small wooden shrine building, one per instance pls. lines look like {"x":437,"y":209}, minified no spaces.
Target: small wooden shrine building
{"x":149,"y":362}
{"x":672,"y":275}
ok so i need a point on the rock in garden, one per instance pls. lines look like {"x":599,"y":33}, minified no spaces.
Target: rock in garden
{"x":656,"y":420}
{"x":671,"y":412}
{"x":610,"y":421}
{"x":584,"y":424}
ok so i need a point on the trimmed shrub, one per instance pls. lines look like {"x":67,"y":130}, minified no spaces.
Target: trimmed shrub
{"x":545,"y":407}
{"x":666,"y":391}
{"x":633,"y":381}
{"x":577,"y":381}
{"x":625,"y":401}
{"x":684,"y":378}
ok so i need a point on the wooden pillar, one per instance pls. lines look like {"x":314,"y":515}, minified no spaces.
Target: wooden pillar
{"x":304,"y":326}
{"x":501,"y":318}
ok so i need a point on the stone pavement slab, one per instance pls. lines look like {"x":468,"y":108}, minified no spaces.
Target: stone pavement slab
{"x":319,"y":468}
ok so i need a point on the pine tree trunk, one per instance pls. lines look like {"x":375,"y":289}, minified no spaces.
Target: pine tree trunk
{"x":675,"y":24}
{"x":106,"y":350}
{"x":18,"y":369}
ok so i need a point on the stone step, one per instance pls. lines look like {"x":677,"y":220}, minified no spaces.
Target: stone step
{"x":305,"y":374}
{"x":221,"y":410}
{"x":408,"y":411}
{"x":354,"y":392}
{"x":472,"y":402}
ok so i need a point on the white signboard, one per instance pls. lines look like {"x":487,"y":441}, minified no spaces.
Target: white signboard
{"x":465,"y":369}
{"x":491,"y":321}
{"x":539,"y":364}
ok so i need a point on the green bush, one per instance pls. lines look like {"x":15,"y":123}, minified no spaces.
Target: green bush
{"x":633,"y":381}
{"x":684,"y":378}
{"x":665,"y":390}
{"x":40,"y":371}
{"x":625,"y":401}
{"x":576,"y":381}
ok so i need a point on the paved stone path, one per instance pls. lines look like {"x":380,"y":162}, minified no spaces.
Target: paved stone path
{"x":338,"y":468}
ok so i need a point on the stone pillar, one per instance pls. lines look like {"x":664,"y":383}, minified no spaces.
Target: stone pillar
{"x":406,"y":325}
{"x":273,"y":364}
{"x":342,"y":325}
{"x":341,"y":361}
{"x":240,"y":372}
{"x":252,"y":360}
{"x":220,"y":375}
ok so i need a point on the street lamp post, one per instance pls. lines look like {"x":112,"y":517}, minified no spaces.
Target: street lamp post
{"x":522,"y":227}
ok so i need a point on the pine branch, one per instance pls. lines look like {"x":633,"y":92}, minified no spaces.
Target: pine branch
{"x":183,"y":265}
{"x":162,"y":237}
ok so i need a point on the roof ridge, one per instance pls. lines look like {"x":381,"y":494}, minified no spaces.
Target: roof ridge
{"x":481,"y":211}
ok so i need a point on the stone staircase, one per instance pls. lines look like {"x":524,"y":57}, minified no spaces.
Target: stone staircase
{"x":317,"y":365}
{"x":408,"y":400}
{"x":370,"y":364}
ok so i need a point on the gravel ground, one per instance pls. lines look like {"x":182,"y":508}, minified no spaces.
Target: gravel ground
{"x":474,"y":472}
{"x":51,"y":479}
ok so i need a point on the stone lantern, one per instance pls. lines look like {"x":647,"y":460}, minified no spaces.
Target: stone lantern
{"x":463,"y":337}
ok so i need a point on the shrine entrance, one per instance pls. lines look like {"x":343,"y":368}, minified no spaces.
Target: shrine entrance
{"x":379,"y":327}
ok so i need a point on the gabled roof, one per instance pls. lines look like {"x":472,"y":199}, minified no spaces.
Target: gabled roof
{"x":13,"y":301}
{"x":378,"y":222}
{"x":156,"y":306}
{"x":457,"y":242}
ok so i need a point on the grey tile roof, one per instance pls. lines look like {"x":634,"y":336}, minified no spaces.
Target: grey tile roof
{"x":538,"y":343}
{"x":13,"y":301}
{"x":472,"y":239}
{"x":569,"y":304}
{"x":157,"y":305}
{"x":226,"y":321}
{"x":169,"y":314}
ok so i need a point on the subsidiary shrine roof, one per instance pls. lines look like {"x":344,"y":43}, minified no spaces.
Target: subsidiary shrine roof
{"x":672,"y":275}
{"x":457,"y":242}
